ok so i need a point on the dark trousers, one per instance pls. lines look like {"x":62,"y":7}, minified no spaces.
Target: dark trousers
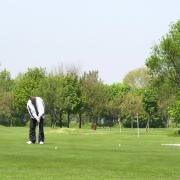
{"x":32,"y":130}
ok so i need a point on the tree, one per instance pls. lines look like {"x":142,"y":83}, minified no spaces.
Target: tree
{"x":166,"y":97}
{"x":117,"y":93}
{"x":27,"y":85}
{"x":82,"y":104}
{"x":6,"y":110}
{"x":164,"y":67}
{"x":138,"y":78}
{"x":6,"y":98}
{"x":5,"y":80}
{"x":132,"y":105}
{"x":174,"y":112}
{"x":150,"y":104}
{"x":164,"y":62}
{"x":95,"y":95}
{"x":51,"y":89}
{"x":119,"y":90}
{"x":71,"y":94}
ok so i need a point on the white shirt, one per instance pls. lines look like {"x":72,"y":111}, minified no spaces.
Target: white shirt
{"x":40,"y":108}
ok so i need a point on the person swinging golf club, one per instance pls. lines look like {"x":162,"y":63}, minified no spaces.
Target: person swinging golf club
{"x":35,"y":106}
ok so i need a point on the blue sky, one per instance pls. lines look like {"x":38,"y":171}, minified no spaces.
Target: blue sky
{"x":111,"y":36}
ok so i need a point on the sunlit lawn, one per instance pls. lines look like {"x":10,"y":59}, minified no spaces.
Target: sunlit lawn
{"x":88,"y":154}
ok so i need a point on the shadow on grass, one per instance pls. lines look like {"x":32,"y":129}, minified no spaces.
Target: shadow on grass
{"x":175,"y":133}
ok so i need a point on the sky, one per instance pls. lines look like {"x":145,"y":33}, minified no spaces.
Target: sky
{"x":111,"y":36}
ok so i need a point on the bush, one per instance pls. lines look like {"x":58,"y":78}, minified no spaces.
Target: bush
{"x":177,"y":133}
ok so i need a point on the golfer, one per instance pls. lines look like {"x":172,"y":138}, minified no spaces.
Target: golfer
{"x":35,"y":106}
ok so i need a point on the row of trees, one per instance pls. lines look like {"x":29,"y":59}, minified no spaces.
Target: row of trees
{"x":67,"y":95}
{"x":150,"y":94}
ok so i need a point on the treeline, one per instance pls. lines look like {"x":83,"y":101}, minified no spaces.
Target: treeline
{"x":150,"y":95}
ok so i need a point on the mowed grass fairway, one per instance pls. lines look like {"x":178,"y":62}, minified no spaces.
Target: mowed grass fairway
{"x":86,"y":154}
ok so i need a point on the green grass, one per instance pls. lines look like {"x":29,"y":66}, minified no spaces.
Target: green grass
{"x":87,"y":154}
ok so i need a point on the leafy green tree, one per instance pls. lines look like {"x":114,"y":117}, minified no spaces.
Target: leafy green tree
{"x":132,"y":106}
{"x":6,"y":109}
{"x":81,"y":106}
{"x":174,"y":112}
{"x":27,"y":85}
{"x":164,"y":67}
{"x":95,"y":95}
{"x":5,"y":80}
{"x":119,"y":90}
{"x":164,"y":62}
{"x":71,"y":94}
{"x":99,"y":108}
{"x":138,"y":78}
{"x":51,"y":89}
{"x":150,"y":104}
{"x":166,"y":97}
{"x":117,"y":93}
{"x":6,"y":98}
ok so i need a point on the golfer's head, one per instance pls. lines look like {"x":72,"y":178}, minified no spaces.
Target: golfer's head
{"x":32,"y":98}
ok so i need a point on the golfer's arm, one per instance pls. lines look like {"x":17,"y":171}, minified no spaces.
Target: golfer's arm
{"x":41,"y":110}
{"x":31,"y":111}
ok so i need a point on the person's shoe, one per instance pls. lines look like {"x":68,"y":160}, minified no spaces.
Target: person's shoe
{"x":29,"y":142}
{"x":41,"y":142}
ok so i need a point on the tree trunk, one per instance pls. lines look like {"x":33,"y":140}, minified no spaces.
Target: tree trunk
{"x":119,"y":120}
{"x":68,"y":116}
{"x":52,"y":120}
{"x":147,"y":126}
{"x":167,"y":121}
{"x":131,"y":122}
{"x":80,"y":119}
{"x":60,"y":120}
{"x":11,"y":122}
